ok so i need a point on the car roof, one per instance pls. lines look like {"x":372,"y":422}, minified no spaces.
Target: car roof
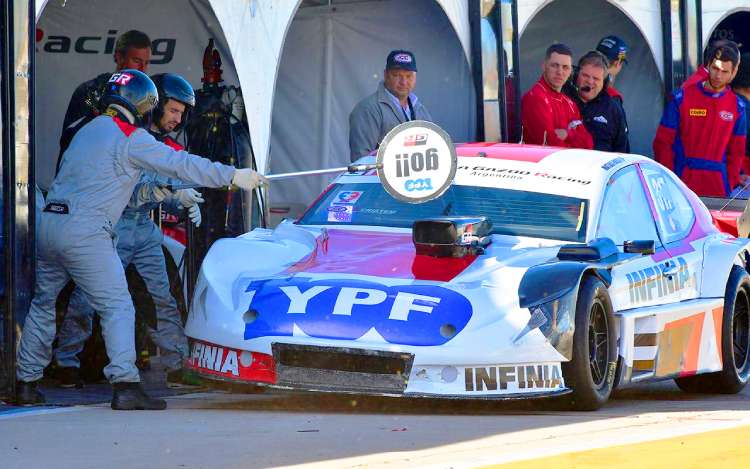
{"x":562,"y":171}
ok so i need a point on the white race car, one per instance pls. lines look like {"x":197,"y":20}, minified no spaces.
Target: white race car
{"x":540,"y":271}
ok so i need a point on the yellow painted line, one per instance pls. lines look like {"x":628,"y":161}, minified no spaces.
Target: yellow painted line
{"x":715,"y":449}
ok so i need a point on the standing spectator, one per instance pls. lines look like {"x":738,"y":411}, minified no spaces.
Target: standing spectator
{"x":703,"y":130}
{"x":602,"y":114}
{"x":616,"y":51}
{"x":741,"y":87}
{"x":548,"y":116}
{"x":392,"y":104}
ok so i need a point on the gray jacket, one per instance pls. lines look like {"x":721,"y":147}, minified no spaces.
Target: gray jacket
{"x":105,"y":160}
{"x":374,"y":117}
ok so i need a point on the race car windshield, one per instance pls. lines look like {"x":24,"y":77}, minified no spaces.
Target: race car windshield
{"x":515,"y":213}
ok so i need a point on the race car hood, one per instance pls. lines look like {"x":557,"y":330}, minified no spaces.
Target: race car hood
{"x":358,"y":286}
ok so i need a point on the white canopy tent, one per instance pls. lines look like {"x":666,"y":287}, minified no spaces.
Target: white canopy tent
{"x":251,"y":33}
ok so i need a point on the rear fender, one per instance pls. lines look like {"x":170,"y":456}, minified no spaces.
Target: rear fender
{"x":719,"y":256}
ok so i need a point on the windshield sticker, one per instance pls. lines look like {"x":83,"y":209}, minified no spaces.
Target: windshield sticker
{"x":347,"y":197}
{"x":340,"y":213}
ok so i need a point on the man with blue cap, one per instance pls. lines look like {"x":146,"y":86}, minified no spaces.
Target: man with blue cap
{"x":616,"y":51}
{"x":392,"y":104}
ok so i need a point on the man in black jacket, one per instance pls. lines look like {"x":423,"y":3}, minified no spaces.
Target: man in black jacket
{"x":133,"y":51}
{"x":602,"y":115}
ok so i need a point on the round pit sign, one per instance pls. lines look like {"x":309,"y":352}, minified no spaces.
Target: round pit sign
{"x":418,"y":162}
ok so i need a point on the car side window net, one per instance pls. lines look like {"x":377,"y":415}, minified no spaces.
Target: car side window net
{"x":515,"y":213}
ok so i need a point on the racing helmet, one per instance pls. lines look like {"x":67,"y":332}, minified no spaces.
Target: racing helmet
{"x":171,"y":86}
{"x":134,"y":91}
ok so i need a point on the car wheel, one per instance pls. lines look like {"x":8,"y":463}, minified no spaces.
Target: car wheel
{"x":735,"y":342}
{"x":591,"y":371}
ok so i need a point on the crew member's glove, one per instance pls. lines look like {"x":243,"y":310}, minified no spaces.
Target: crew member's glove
{"x":188,"y":197}
{"x":150,"y":192}
{"x":248,"y":179}
{"x":194,"y":212}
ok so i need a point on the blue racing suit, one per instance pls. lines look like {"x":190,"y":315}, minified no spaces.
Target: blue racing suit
{"x":139,"y":242}
{"x":76,"y":237}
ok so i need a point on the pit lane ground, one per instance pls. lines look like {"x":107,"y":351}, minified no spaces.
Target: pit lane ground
{"x":643,"y":426}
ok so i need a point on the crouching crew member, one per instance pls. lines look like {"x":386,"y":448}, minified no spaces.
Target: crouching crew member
{"x":601,"y":113}
{"x":702,"y":133}
{"x":77,"y":240}
{"x":139,"y":242}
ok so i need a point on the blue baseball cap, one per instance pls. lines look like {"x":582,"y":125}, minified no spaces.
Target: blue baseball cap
{"x":614,"y":48}
{"x":402,"y":59}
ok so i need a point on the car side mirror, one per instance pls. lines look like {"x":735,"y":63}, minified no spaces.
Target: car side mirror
{"x":643,"y":246}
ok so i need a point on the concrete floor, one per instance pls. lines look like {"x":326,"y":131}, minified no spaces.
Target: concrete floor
{"x":213,"y":429}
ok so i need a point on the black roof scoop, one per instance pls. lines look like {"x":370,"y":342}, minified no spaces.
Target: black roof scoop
{"x":451,"y":236}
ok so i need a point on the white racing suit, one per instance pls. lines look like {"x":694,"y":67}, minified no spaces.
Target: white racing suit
{"x":76,"y":237}
{"x":139,"y":242}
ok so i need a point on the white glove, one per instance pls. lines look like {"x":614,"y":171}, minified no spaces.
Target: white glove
{"x":188,"y":197}
{"x":248,"y":179}
{"x":194,"y":212}
{"x":150,"y":192}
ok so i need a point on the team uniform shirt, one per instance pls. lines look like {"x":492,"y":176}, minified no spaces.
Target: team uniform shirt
{"x":543,"y":110}
{"x":702,"y":138}
{"x":604,"y":118}
{"x":699,"y":76}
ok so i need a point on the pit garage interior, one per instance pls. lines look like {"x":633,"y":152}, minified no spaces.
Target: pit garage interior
{"x":303,"y":64}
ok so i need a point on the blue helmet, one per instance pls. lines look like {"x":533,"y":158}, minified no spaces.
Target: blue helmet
{"x":134,"y":91}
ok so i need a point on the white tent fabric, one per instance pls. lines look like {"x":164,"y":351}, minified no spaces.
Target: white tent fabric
{"x":644,"y":14}
{"x":335,"y":57}
{"x":580,"y":24}
{"x":255,"y":31}
{"x":75,"y":39}
{"x":715,"y":12}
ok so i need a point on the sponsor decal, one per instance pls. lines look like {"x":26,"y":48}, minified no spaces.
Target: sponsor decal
{"x":513,"y":378}
{"x":508,"y":173}
{"x":121,"y":78}
{"x":402,"y":58}
{"x":726,"y":116}
{"x":698,"y":112}
{"x":415,"y":139}
{"x":346,"y":309}
{"x":612,"y":163}
{"x":230,"y":363}
{"x":347,"y":197}
{"x":340,"y":213}
{"x":413,"y":171}
{"x":651,"y":283}
{"x":162,"y":49}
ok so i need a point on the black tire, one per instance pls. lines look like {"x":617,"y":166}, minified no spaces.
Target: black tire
{"x":735,"y":342}
{"x":591,"y":371}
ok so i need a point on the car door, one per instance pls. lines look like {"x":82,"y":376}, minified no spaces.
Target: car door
{"x":675,"y":222}
{"x":626,"y":215}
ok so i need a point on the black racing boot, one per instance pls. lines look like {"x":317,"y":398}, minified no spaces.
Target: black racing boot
{"x":28,"y":393}
{"x":70,"y":377}
{"x":130,"y":396}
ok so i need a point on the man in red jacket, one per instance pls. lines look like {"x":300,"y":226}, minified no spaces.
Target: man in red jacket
{"x":548,"y":116}
{"x":702,"y":133}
